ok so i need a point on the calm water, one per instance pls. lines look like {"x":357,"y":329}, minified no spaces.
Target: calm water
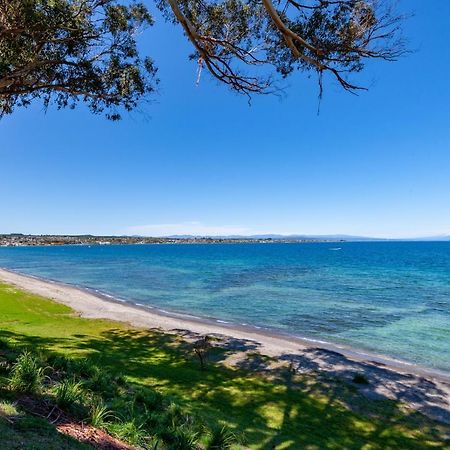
{"x":388,"y":297}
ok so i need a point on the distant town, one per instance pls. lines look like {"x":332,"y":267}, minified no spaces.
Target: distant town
{"x":21,"y":240}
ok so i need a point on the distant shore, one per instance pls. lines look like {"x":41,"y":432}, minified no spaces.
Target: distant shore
{"x":392,"y":376}
{"x":31,"y":240}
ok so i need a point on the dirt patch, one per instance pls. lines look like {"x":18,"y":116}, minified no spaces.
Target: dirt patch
{"x":65,"y":424}
{"x":92,"y":436}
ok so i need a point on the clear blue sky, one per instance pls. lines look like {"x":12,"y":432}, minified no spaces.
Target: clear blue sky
{"x":203,"y":161}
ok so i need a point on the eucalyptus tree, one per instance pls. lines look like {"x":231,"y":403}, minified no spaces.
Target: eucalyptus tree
{"x":66,"y":51}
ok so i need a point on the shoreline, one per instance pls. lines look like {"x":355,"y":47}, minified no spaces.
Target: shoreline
{"x":422,"y":389}
{"x":92,"y":303}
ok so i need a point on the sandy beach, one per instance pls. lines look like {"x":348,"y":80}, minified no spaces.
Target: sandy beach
{"x":423,"y":389}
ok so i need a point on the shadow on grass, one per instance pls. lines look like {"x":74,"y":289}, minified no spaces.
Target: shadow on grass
{"x":288,"y":412}
{"x":428,"y":396}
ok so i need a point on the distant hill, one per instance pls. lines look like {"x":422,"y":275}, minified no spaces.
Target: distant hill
{"x":299,"y":237}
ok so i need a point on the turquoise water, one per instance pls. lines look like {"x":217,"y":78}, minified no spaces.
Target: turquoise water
{"x":392,"y":298}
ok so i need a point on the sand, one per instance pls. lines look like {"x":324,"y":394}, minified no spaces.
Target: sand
{"x":420,"y":388}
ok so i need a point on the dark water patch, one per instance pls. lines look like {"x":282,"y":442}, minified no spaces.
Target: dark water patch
{"x":244,"y":277}
{"x":334,"y":321}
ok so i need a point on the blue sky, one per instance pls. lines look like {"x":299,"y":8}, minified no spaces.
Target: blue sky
{"x":202,"y":161}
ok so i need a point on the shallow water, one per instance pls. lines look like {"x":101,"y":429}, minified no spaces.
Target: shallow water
{"x":392,"y":298}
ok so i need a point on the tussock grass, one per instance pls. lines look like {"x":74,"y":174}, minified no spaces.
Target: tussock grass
{"x":222,"y":438}
{"x":68,"y":393}
{"x":100,"y":415}
{"x":27,"y":374}
{"x":130,"y":431}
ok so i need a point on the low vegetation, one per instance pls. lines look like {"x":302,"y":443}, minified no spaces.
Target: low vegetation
{"x":79,"y":391}
{"x":26,"y":374}
{"x":147,"y":389}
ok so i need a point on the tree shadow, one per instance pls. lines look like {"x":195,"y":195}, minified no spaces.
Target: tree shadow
{"x":289,"y":411}
{"x":430,"y":397}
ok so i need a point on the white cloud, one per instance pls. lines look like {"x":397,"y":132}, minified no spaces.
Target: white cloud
{"x":191,"y":228}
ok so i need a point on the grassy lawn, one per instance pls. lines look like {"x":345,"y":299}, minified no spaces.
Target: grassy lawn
{"x":285,"y":413}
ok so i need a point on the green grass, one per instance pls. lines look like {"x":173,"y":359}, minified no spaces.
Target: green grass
{"x":19,"y":431}
{"x":288,"y":413}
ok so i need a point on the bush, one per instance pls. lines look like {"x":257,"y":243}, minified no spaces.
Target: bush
{"x":27,"y":374}
{"x":222,"y":438}
{"x":68,"y":393}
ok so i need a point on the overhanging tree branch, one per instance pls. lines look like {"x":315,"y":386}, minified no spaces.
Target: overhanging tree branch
{"x":58,"y":51}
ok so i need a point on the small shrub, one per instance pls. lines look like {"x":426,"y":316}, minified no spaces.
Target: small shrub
{"x":99,"y":415}
{"x":360,"y":378}
{"x":222,"y":438}
{"x":176,"y":429}
{"x":68,"y":393}
{"x":27,"y":374}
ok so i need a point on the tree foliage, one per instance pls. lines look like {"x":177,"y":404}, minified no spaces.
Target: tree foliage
{"x":70,"y":50}
{"x":64,"y":51}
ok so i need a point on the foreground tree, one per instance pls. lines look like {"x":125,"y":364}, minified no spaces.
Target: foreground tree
{"x":64,"y":51}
